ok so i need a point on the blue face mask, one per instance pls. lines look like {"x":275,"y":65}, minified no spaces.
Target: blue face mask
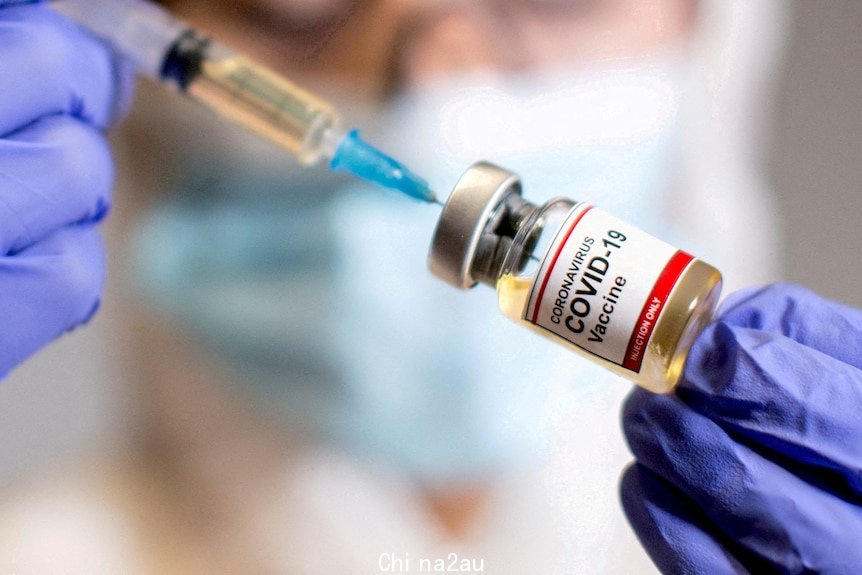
{"x":324,"y":307}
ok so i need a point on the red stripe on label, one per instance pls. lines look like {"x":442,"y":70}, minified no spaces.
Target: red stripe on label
{"x":652,"y":310}
{"x":554,"y":263}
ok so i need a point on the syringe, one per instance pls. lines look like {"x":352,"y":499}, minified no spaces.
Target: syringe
{"x":169,"y":51}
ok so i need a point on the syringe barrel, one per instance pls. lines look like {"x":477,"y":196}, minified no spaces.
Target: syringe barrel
{"x":266,"y":103}
{"x":166,"y":49}
{"x":140,"y":30}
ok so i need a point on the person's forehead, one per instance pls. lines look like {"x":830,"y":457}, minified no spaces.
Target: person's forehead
{"x":387,"y":43}
{"x":288,"y":16}
{"x":310,"y":10}
{"x":299,"y":9}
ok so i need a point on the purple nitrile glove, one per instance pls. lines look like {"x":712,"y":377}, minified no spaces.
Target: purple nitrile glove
{"x":58,"y":91}
{"x":754,"y":465}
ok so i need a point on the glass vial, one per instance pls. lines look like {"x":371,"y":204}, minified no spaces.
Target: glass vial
{"x":577,"y":275}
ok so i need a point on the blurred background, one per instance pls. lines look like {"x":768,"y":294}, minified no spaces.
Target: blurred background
{"x":61,"y":406}
{"x":814,"y":163}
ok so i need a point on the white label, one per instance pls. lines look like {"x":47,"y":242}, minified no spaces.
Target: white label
{"x":603,"y":284}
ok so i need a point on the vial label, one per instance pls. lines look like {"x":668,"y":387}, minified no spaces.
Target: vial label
{"x":603,"y":285}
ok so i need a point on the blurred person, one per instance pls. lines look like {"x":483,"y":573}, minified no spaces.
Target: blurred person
{"x":308,"y":399}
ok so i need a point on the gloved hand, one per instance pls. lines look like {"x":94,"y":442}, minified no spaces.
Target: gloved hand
{"x":58,"y":91}
{"x":754,"y":465}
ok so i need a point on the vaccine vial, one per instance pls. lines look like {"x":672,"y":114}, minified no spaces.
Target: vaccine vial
{"x":577,"y":275}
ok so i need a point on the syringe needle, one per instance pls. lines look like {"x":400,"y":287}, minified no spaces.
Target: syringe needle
{"x":361,"y":159}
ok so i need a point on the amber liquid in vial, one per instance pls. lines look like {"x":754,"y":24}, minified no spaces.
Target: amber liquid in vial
{"x":687,"y":310}
{"x":686,"y":313}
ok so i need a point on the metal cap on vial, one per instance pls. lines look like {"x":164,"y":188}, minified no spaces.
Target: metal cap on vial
{"x":476,"y":226}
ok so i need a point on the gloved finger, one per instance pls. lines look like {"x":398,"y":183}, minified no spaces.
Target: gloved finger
{"x":48,"y":289}
{"x":770,"y":512}
{"x":56,"y":172}
{"x":677,"y":535}
{"x":795,"y":405}
{"x":802,"y":315}
{"x":53,"y":67}
{"x":7,"y":3}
